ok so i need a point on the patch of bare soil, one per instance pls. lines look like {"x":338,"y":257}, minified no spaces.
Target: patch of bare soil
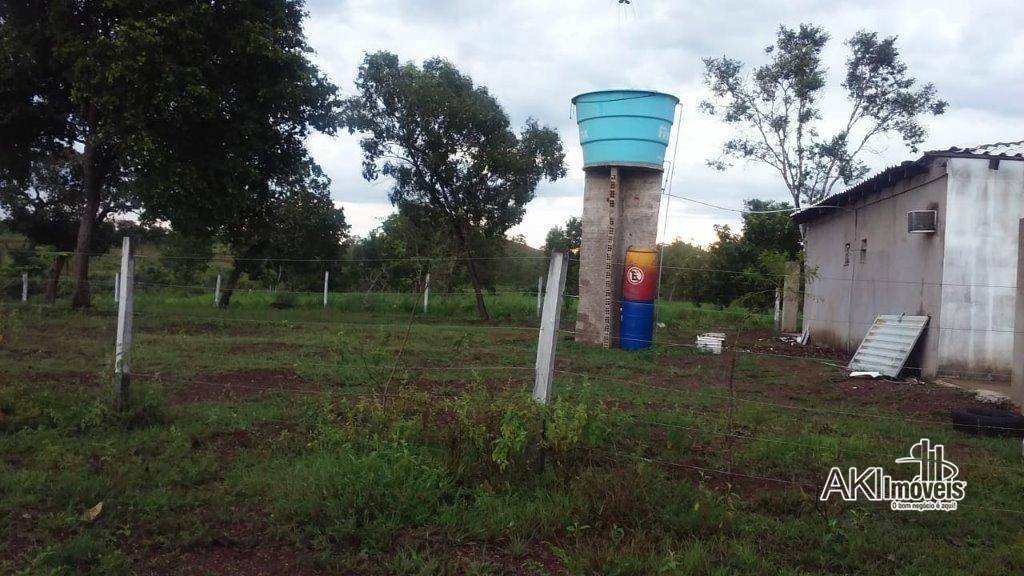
{"x":62,"y":377}
{"x":19,"y":540}
{"x":619,"y":405}
{"x":535,"y":559}
{"x":909,"y":397}
{"x":515,"y":336}
{"x":766,"y":341}
{"x":262,"y":560}
{"x":217,"y":387}
{"x":794,"y":381}
{"x":693,"y":461}
{"x":227,"y":445}
{"x":686,"y":372}
{"x":258,"y":347}
{"x":219,"y":328}
{"x":515,"y":382}
{"x":531,"y":558}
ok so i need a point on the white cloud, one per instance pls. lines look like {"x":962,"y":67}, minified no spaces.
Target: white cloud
{"x":545,"y":213}
{"x":534,"y":55}
{"x":365,"y":216}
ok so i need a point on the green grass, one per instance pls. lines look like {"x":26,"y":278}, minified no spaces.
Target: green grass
{"x":292,"y":437}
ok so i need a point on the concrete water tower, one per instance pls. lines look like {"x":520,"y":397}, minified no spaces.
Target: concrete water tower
{"x":624,"y":135}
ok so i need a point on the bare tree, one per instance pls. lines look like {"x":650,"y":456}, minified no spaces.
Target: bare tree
{"x":776,"y":109}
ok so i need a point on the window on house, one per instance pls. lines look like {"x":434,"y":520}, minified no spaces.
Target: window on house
{"x":846,"y":255}
{"x":863,"y":250}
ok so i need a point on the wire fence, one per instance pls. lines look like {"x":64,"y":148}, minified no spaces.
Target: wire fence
{"x":406,"y":358}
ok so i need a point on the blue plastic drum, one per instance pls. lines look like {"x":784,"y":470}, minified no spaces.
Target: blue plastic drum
{"x":636,"y":330}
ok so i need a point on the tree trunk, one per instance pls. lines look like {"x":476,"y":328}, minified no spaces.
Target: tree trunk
{"x":91,"y":182}
{"x":225,"y":295}
{"x":81,"y":296}
{"x":481,"y":308}
{"x":53,"y":282}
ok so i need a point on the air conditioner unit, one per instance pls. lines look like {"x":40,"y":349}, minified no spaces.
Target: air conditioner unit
{"x":922,"y":221}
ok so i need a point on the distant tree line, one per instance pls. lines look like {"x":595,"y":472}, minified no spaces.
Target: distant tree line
{"x":740,"y":267}
{"x":192,"y":118}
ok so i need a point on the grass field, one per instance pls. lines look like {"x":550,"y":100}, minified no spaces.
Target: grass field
{"x":363,"y":439}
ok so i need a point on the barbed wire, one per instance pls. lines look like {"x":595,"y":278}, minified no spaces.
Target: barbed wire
{"x":809,"y":278}
{"x":229,"y":258}
{"x":835,"y":444}
{"x":767,"y":403}
{"x":619,"y":455}
{"x":836,"y":447}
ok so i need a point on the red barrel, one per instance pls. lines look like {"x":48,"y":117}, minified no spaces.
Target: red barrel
{"x":640,"y":274}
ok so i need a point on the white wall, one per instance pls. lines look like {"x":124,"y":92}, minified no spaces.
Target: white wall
{"x":900,"y":272}
{"x":983,"y":209}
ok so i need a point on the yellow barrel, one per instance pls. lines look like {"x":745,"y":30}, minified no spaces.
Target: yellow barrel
{"x":640,"y":274}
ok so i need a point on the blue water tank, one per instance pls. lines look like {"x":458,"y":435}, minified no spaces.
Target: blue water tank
{"x":625,"y":127}
{"x":637,"y":327}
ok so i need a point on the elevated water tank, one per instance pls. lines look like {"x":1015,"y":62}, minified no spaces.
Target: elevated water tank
{"x":625,"y":127}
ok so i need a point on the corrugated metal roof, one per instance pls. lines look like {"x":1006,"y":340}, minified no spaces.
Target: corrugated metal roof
{"x":893,"y":174}
{"x":1011,"y":150}
{"x":888,"y":343}
{"x":876,"y":183}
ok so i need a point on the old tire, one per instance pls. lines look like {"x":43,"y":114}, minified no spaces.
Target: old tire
{"x":988,"y":421}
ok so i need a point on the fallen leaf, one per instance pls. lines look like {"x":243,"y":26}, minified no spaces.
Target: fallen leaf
{"x":91,"y":514}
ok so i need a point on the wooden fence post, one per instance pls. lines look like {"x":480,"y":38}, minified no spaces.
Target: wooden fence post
{"x":216,"y":292}
{"x":123,"y":345}
{"x":117,"y":287}
{"x":426,"y":293}
{"x":24,"y":287}
{"x":327,"y":278}
{"x":548,"y":338}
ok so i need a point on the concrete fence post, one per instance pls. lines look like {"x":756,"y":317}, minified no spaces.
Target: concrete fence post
{"x":778,"y":309}
{"x":24,"y":287}
{"x":426,"y":293}
{"x":548,"y":339}
{"x":791,"y":298}
{"x":1017,"y":367}
{"x":540,"y":294}
{"x":327,"y":279}
{"x":216,"y":291}
{"x":123,"y":344}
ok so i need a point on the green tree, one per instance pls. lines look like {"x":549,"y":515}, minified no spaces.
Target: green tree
{"x":449,"y":150}
{"x":291,"y":233}
{"x":568,"y":237}
{"x":684,"y":272}
{"x":738,"y":267}
{"x":307,"y":239}
{"x":184,"y":257}
{"x":201,"y":107}
{"x":776,"y":109}
{"x":44,"y":207}
{"x":732,"y":267}
{"x":767,"y":226}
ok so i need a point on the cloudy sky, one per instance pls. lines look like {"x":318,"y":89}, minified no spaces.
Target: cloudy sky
{"x":535,"y":55}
